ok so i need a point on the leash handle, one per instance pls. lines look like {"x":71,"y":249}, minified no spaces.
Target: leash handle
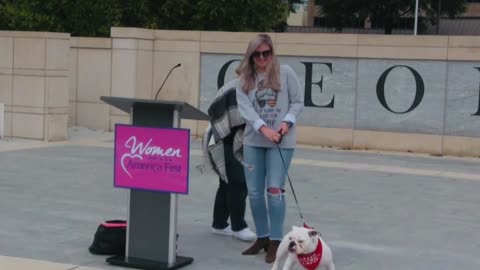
{"x":289,"y":180}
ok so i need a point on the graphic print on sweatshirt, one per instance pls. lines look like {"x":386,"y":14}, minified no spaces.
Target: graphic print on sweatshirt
{"x":266,"y":100}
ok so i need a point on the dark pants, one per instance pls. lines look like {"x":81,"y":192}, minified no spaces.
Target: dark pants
{"x":231,"y":197}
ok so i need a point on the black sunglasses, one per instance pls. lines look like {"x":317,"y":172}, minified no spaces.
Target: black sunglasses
{"x":264,"y":54}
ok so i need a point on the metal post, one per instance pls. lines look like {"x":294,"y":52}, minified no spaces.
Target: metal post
{"x":439,"y":10}
{"x":2,"y":117}
{"x":416,"y":18}
{"x":172,"y":237}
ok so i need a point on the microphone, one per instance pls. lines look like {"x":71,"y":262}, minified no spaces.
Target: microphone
{"x":158,"y":91}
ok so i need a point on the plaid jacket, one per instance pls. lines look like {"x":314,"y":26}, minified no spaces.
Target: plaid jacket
{"x":224,"y":116}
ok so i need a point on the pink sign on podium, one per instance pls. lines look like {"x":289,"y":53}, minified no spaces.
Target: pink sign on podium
{"x":152,"y":158}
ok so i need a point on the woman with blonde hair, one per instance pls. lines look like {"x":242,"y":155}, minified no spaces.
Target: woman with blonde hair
{"x":270,"y":100}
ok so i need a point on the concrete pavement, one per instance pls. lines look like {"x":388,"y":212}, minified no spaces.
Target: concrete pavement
{"x":377,"y":210}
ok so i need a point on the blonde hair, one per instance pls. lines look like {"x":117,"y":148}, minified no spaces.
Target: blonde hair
{"x":246,"y":69}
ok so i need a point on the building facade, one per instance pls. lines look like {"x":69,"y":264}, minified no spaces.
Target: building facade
{"x":309,"y":20}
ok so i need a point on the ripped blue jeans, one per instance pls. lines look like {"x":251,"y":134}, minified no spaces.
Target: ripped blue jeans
{"x":264,"y":171}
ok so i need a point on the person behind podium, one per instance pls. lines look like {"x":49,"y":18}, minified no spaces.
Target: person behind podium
{"x":218,"y":146}
{"x":270,"y":100}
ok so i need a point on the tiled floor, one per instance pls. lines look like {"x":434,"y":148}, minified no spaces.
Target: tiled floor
{"x":376,"y":210}
{"x":11,"y":263}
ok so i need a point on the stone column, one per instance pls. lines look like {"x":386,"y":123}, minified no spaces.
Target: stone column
{"x":141,"y":60}
{"x":132,"y":67}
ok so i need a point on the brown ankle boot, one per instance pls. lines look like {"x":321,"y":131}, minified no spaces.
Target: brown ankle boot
{"x":272,"y":251}
{"x":260,"y":243}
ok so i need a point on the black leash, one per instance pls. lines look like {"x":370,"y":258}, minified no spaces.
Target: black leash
{"x":290,"y":182}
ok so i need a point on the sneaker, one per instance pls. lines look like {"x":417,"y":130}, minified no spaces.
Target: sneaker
{"x":245,"y":235}
{"x":227,"y":231}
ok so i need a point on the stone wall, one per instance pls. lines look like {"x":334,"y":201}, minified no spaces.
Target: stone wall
{"x":90,"y":77}
{"x":402,"y":93}
{"x":34,"y":84}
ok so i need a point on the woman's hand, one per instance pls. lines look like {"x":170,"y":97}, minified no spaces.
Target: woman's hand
{"x":283,"y":130}
{"x":270,"y":134}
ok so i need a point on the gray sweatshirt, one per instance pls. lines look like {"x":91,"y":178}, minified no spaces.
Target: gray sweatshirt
{"x":263,"y":106}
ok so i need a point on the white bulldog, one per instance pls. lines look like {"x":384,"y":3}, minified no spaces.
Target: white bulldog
{"x":305,"y":247}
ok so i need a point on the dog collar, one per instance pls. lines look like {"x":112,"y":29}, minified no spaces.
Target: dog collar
{"x":312,"y":260}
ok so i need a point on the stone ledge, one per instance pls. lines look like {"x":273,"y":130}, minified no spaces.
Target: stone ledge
{"x":27,"y":34}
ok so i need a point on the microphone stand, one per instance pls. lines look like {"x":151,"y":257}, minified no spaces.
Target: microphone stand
{"x":158,"y":91}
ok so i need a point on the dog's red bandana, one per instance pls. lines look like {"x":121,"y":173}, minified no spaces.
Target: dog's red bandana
{"x":311,"y":261}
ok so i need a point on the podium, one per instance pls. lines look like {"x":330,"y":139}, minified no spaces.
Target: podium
{"x":152,"y":216}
